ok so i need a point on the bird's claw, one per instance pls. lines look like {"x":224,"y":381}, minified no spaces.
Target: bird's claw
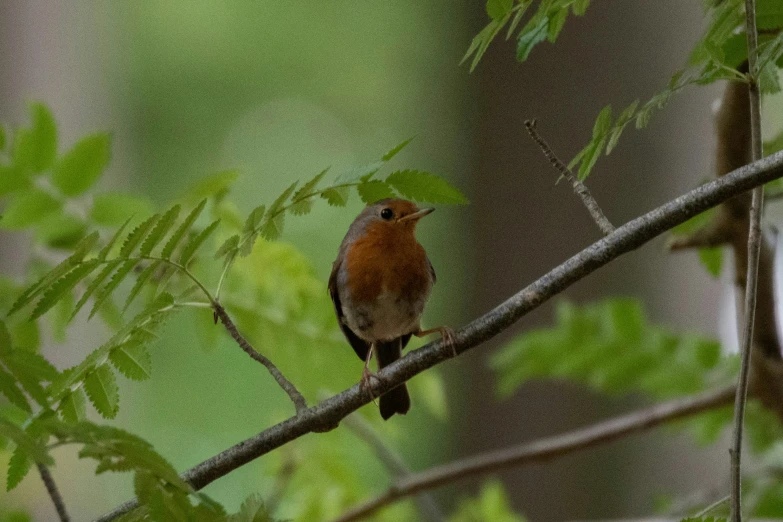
{"x":447,"y":334}
{"x":367,"y":376}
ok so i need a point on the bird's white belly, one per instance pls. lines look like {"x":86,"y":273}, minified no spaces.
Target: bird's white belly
{"x":386,"y":318}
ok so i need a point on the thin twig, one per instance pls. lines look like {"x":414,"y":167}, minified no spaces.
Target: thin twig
{"x":630,"y":236}
{"x":393,"y":462}
{"x":54,"y":493}
{"x":542,"y":449}
{"x":285,"y":384}
{"x":580,"y":188}
{"x":712,"y":506}
{"x":754,"y":251}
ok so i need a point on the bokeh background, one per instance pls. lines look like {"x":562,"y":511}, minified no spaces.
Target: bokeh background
{"x":281,"y":90}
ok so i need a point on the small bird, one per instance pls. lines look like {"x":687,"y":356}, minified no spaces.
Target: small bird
{"x":379,"y":284}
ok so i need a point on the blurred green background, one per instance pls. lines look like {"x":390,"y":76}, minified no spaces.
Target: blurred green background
{"x":281,"y":90}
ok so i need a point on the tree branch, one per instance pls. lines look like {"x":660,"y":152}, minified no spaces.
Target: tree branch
{"x":630,"y":236}
{"x":754,"y":252}
{"x":393,"y":462}
{"x":285,"y":384}
{"x":580,"y":188}
{"x":54,"y":493}
{"x":543,"y":449}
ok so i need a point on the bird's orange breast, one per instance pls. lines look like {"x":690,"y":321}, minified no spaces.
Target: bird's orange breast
{"x":387,"y":259}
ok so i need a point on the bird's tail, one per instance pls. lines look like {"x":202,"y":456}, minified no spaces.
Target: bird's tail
{"x":396,"y":400}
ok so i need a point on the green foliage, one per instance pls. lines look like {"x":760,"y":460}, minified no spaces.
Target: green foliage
{"x":35,"y":147}
{"x":79,"y":168}
{"x":269,"y":222}
{"x":710,"y":258}
{"x":491,"y":504}
{"x":252,"y":510}
{"x":545,"y":24}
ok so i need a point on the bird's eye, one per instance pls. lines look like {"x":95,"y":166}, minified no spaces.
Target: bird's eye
{"x":387,"y":214}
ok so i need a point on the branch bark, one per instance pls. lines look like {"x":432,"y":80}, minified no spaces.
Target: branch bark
{"x":580,"y":188}
{"x":624,"y":239}
{"x":543,"y":449}
{"x":299,"y":401}
{"x":754,"y":252}
{"x":54,"y":493}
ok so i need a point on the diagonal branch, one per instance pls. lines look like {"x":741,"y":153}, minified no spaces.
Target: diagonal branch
{"x":54,"y":493}
{"x":285,"y":384}
{"x":630,"y":236}
{"x":580,"y":188}
{"x":393,"y":462}
{"x":543,"y":449}
{"x":754,"y":253}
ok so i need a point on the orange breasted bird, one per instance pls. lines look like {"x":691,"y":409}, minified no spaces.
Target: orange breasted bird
{"x":379,"y":284}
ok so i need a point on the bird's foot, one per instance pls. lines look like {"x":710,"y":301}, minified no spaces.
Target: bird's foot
{"x":446,"y":333}
{"x":365,"y":382}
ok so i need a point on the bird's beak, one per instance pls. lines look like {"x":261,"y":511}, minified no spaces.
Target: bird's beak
{"x":417,"y":215}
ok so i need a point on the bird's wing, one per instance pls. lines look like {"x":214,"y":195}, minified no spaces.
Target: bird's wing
{"x":432,"y":271}
{"x":359,"y":346}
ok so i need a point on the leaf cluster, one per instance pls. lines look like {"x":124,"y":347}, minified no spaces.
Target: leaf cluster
{"x":268,"y":222}
{"x":545,"y":24}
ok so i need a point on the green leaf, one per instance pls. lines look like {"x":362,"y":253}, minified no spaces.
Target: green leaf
{"x":104,"y":293}
{"x":277,"y":205}
{"x":393,"y":152}
{"x":579,"y":7}
{"x":336,"y":196}
{"x":72,"y":406}
{"x":273,"y":226}
{"x":160,"y":230}
{"x":229,"y":245}
{"x":19,"y":466}
{"x":81,"y":250}
{"x":308,"y":189}
{"x":556,"y":24}
{"x":480,"y":43}
{"x":183,"y":229}
{"x":62,"y":287}
{"x":624,"y":119}
{"x":60,"y":231}
{"x":28,"y":208}
{"x":424,"y":186}
{"x":374,"y":190}
{"x":136,"y":236}
{"x":144,"y":276}
{"x":193,"y":245}
{"x":529,"y":37}
{"x":712,"y":259}
{"x":93,"y":286}
{"x":132,"y":360}
{"x":35,"y":148}
{"x":252,"y":510}
{"x":101,"y":388}
{"x":301,"y":207}
{"x":9,"y":388}
{"x":596,"y":146}
{"x":12,"y":179}
{"x":79,"y":168}
{"x":491,"y":504}
{"x":769,"y":15}
{"x":497,"y":9}
{"x":212,"y":186}
{"x":114,"y":208}
{"x":254,"y":220}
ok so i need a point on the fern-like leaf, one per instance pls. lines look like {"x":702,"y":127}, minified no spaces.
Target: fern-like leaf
{"x":136,"y":236}
{"x":9,"y":388}
{"x":72,"y":406}
{"x":105,"y":292}
{"x":336,"y":196}
{"x":396,"y":150}
{"x":82,"y":249}
{"x":144,"y":276}
{"x":63,"y":287}
{"x":18,"y":467}
{"x":194,"y":244}
{"x":132,"y":360}
{"x":308,"y":189}
{"x":101,"y":388}
{"x":106,"y":250}
{"x":94,"y":285}
{"x":374,"y":190}
{"x":182,"y":230}
{"x":160,"y":230}
{"x":273,"y":227}
{"x":424,"y":186}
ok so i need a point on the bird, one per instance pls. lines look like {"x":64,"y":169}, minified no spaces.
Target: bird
{"x":380,"y":284}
